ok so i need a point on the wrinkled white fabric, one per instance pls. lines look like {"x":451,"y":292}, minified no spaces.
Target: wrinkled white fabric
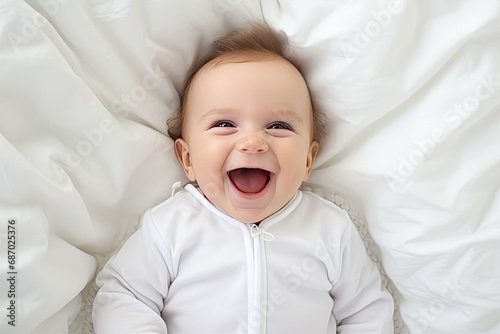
{"x":411,"y":89}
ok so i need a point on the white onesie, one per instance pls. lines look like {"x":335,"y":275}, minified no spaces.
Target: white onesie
{"x":192,"y":269}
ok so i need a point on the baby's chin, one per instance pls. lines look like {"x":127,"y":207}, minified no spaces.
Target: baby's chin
{"x":249,"y":216}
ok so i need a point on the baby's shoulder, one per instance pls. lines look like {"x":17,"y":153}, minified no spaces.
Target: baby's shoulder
{"x":313,"y":202}
{"x":179,"y":207}
{"x":321,"y":214}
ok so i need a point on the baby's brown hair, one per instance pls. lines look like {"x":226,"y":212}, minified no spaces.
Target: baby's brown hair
{"x":256,"y":42}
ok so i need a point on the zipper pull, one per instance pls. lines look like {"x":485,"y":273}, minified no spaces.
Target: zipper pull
{"x":255,"y":231}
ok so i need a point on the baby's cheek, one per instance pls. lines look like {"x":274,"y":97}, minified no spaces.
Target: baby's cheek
{"x":211,"y":184}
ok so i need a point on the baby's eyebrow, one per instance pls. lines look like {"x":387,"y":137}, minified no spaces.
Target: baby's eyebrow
{"x":216,"y":111}
{"x":281,"y":112}
{"x":289,"y":113}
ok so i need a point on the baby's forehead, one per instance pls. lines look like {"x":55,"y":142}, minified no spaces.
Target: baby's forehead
{"x":238,"y":73}
{"x":266,"y":79}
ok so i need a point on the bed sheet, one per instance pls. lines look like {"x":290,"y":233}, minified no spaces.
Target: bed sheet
{"x":411,"y":89}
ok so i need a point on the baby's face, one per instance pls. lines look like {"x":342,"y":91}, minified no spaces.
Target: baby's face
{"x":247,"y":136}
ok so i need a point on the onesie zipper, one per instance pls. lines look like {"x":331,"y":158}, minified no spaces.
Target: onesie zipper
{"x":257,"y":287}
{"x":258,"y":316}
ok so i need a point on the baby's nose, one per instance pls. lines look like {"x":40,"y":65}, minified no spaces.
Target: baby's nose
{"x":252,"y":143}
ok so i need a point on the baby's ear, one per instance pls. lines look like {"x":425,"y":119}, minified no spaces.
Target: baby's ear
{"x":311,"y":156}
{"x":184,"y":156}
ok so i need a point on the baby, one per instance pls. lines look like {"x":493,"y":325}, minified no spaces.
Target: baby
{"x":241,"y":249}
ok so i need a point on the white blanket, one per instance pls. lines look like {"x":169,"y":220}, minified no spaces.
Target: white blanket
{"x":411,"y":89}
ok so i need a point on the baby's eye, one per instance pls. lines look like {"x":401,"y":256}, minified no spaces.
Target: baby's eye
{"x":224,"y":124}
{"x":279,"y":126}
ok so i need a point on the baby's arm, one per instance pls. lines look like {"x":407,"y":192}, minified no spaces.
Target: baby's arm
{"x":361,"y":302}
{"x":133,"y":285}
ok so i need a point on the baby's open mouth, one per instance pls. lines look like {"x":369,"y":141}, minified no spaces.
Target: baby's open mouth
{"x":249,"y":180}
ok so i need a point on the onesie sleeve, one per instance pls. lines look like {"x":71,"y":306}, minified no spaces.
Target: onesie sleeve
{"x":133,"y":285}
{"x":361,"y":302}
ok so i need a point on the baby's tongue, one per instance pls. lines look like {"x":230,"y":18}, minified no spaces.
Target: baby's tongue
{"x":249,"y":180}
